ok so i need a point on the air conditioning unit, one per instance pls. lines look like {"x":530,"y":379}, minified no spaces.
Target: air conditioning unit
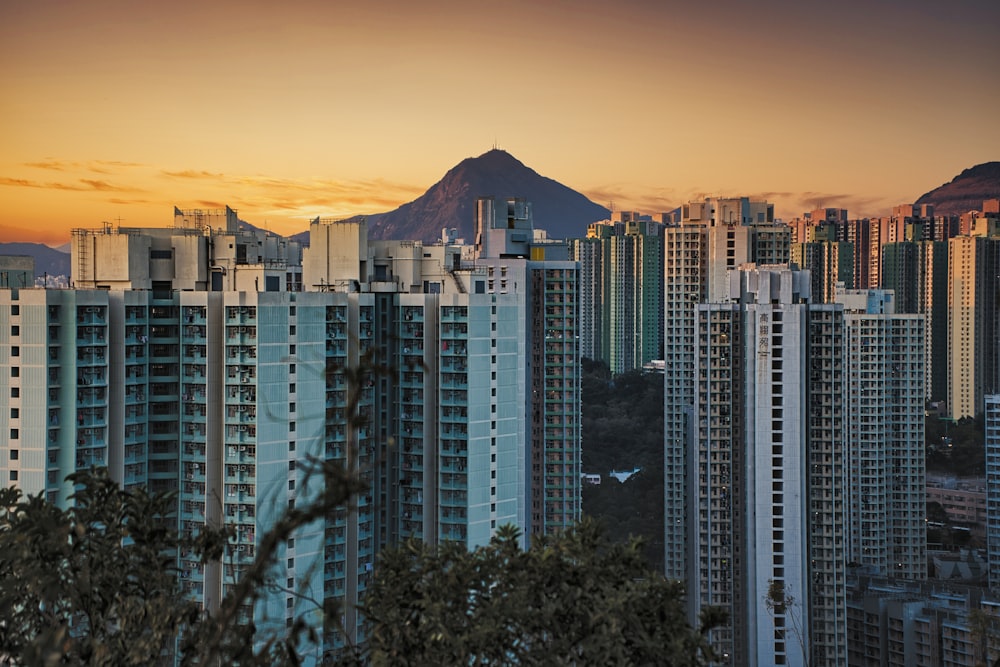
{"x":243,"y":427}
{"x":243,"y":468}
{"x":244,"y":379}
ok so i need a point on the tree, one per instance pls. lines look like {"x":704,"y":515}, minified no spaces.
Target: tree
{"x":573,"y":598}
{"x":780,"y":602}
{"x":97,"y":583}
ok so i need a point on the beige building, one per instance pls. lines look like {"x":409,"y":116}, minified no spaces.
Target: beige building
{"x":973,"y":327}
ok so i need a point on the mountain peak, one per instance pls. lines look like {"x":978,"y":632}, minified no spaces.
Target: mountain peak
{"x":450,"y":202}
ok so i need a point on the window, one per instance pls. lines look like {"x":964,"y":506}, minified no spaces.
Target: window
{"x":14,"y":454}
{"x":15,"y":351}
{"x":291,"y":387}
{"x":291,"y":562}
{"x":15,"y":372}
{"x":13,"y":475}
{"x":291,"y":330}
{"x":15,"y":392}
{"x":291,"y":349}
{"x":15,"y":330}
{"x":15,"y":309}
{"x":15,"y":413}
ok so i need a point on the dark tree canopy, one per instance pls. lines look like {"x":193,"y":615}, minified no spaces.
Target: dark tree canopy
{"x":574,"y":598}
{"x":97,"y":584}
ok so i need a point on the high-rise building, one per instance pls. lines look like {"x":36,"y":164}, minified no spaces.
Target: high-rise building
{"x":917,"y":271}
{"x":884,"y":418}
{"x":547,"y":282}
{"x":829,"y":260}
{"x":768,"y":516}
{"x":194,"y":362}
{"x":991,"y":403}
{"x":973,"y":322}
{"x":713,"y":236}
{"x":622,"y":263}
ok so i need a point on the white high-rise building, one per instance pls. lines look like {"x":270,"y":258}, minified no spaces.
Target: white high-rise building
{"x":992,"y":438}
{"x":714,"y":236}
{"x":767,"y":467}
{"x":887,"y":532}
{"x":197,"y":364}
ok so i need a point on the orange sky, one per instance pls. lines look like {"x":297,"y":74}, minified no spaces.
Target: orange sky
{"x":118,"y":110}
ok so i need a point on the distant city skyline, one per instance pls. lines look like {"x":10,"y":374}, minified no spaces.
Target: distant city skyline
{"x":113,"y":110}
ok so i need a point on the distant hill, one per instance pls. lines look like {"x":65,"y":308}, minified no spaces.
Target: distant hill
{"x":47,"y":260}
{"x":966,"y":191}
{"x":559,"y":210}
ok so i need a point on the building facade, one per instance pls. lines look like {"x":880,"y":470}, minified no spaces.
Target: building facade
{"x":622,"y":285}
{"x":973,"y":322}
{"x":886,"y":476}
{"x":768,"y":516}
{"x":713,"y":237}
{"x":217,"y":364}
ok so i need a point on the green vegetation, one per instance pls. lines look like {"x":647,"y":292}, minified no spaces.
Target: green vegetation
{"x":955,"y":447}
{"x":98,"y":584}
{"x":570,"y":599}
{"x":622,"y":428}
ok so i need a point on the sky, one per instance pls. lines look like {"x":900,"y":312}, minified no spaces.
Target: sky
{"x":117,"y":111}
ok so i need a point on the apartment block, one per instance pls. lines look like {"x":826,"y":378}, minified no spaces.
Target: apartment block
{"x":886,"y":475}
{"x":991,"y":411}
{"x":768,"y":470}
{"x":220,"y":364}
{"x":973,"y":323}
{"x":713,"y":237}
{"x":622,"y":286}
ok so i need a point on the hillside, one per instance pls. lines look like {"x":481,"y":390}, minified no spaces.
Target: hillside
{"x":559,"y":210}
{"x":966,"y":191}
{"x":47,"y":260}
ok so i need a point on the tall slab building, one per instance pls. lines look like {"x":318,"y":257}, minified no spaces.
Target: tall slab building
{"x":768,"y":466}
{"x":217,"y":363}
{"x":712,"y":237}
{"x":973,"y":322}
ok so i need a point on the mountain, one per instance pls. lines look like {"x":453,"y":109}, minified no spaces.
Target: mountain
{"x":47,"y":260}
{"x":560,"y":211}
{"x":966,"y":191}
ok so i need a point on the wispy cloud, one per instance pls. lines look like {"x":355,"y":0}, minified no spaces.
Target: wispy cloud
{"x":81,"y":185}
{"x":304,"y":197}
{"x":118,"y":200}
{"x":96,"y":166}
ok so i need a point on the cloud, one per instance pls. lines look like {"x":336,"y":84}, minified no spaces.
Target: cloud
{"x":96,"y":166}
{"x":88,"y":185}
{"x":794,"y":204}
{"x":194,"y":174}
{"x":117,"y":200}
{"x":304,"y":197}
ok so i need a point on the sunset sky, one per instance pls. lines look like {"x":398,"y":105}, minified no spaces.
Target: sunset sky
{"x":119,"y":110}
